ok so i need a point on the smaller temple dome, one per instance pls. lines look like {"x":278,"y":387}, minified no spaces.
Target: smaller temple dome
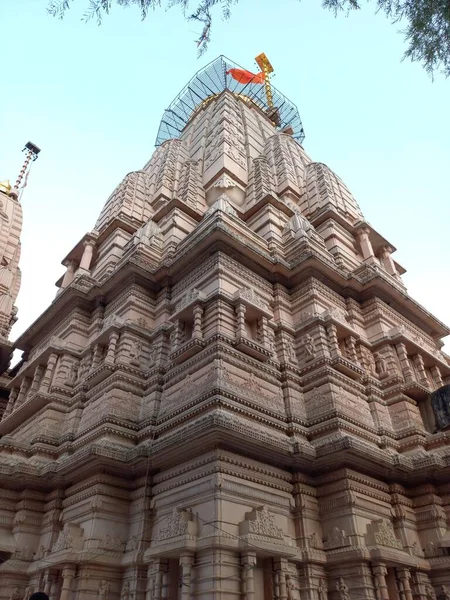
{"x":130,"y":200}
{"x":324,"y":189}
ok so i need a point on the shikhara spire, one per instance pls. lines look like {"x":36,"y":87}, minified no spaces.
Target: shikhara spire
{"x":232,"y":395}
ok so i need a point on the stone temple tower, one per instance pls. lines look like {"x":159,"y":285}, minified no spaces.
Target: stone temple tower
{"x":10,"y":276}
{"x":229,"y":397}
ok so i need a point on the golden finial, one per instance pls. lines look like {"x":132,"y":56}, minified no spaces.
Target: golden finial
{"x":5,"y":187}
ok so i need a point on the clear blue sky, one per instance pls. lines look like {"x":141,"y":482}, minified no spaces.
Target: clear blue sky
{"x":92,"y":97}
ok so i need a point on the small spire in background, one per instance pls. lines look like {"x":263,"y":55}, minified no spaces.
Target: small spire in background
{"x":32,"y":152}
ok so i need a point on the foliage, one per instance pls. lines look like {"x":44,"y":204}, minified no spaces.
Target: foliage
{"x":427,"y":22}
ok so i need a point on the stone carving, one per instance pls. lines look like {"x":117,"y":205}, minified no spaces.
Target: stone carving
{"x":135,"y":353}
{"x":380,"y":364}
{"x":431,"y":550}
{"x":188,"y":298}
{"x":368,"y":360}
{"x":315,"y":541}
{"x":342,"y":589}
{"x":251,"y":296}
{"x":260,"y":522}
{"x":125,"y":594}
{"x":64,"y":541}
{"x":40,"y":554}
{"x":71,"y":537}
{"x":322,"y":590}
{"x":16,"y":595}
{"x":112,"y":542}
{"x":336,"y":539}
{"x":149,"y":233}
{"x":222,"y":204}
{"x":103,"y":590}
{"x":430,"y":593}
{"x":224,"y":182}
{"x":24,"y":554}
{"x":309,"y":346}
{"x":142,"y":322}
{"x":381,"y":533}
{"x":72,"y":376}
{"x":444,"y":594}
{"x":299,"y":227}
{"x":176,"y":524}
{"x":28,"y":593}
{"x":440,"y":403}
{"x":292,"y":356}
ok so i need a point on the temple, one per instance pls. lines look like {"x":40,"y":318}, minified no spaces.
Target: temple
{"x":231,"y":396}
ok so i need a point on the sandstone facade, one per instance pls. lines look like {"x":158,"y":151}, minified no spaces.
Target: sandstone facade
{"x":229,"y":397}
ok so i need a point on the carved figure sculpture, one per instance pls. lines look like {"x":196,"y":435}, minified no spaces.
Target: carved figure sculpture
{"x":342,"y":589}
{"x":16,"y":595}
{"x":322,"y":590}
{"x":429,"y":591}
{"x":309,"y":346}
{"x":135,"y":352}
{"x":103,"y":590}
{"x":444,"y":594}
{"x":72,"y":377}
{"x":291,"y":352}
{"x":440,"y":403}
{"x":125,"y":595}
{"x":380,"y":363}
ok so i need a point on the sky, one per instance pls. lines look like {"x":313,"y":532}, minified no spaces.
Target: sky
{"x":92,"y":97}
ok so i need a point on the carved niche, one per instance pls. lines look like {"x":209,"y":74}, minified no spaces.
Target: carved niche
{"x":260,"y":524}
{"x":381,"y":533}
{"x":336,"y":539}
{"x":179,"y":524}
{"x":70,"y":538}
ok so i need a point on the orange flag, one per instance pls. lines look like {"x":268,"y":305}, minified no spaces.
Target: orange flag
{"x":245,"y":76}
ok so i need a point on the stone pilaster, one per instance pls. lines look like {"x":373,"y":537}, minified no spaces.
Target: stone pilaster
{"x":249,"y":562}
{"x":197,"y":331}
{"x":407,"y":371}
{"x":380,"y":572}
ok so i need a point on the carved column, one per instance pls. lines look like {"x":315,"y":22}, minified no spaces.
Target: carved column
{"x":68,"y":574}
{"x":387,"y":262}
{"x":178,"y":335}
{"x":380,"y":573}
{"x":262,"y":322}
{"x":69,"y":274}
{"x":53,"y":590}
{"x":11,"y":401}
{"x":47,"y":378}
{"x":280,"y":568}
{"x":24,"y":386}
{"x":365,"y":243}
{"x":404,"y":576}
{"x":186,"y":562}
{"x":197,"y":327}
{"x":165,"y":585}
{"x":150,"y":592}
{"x":97,"y":358}
{"x":161,"y":580}
{"x":248,"y":562}
{"x":418,"y":361}
{"x":240,"y":311}
{"x":37,"y":378}
{"x":350,"y":344}
{"x":88,"y":253}
{"x":436,"y":373}
{"x":333,"y":340}
{"x":404,"y":362}
{"x":112,"y":345}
